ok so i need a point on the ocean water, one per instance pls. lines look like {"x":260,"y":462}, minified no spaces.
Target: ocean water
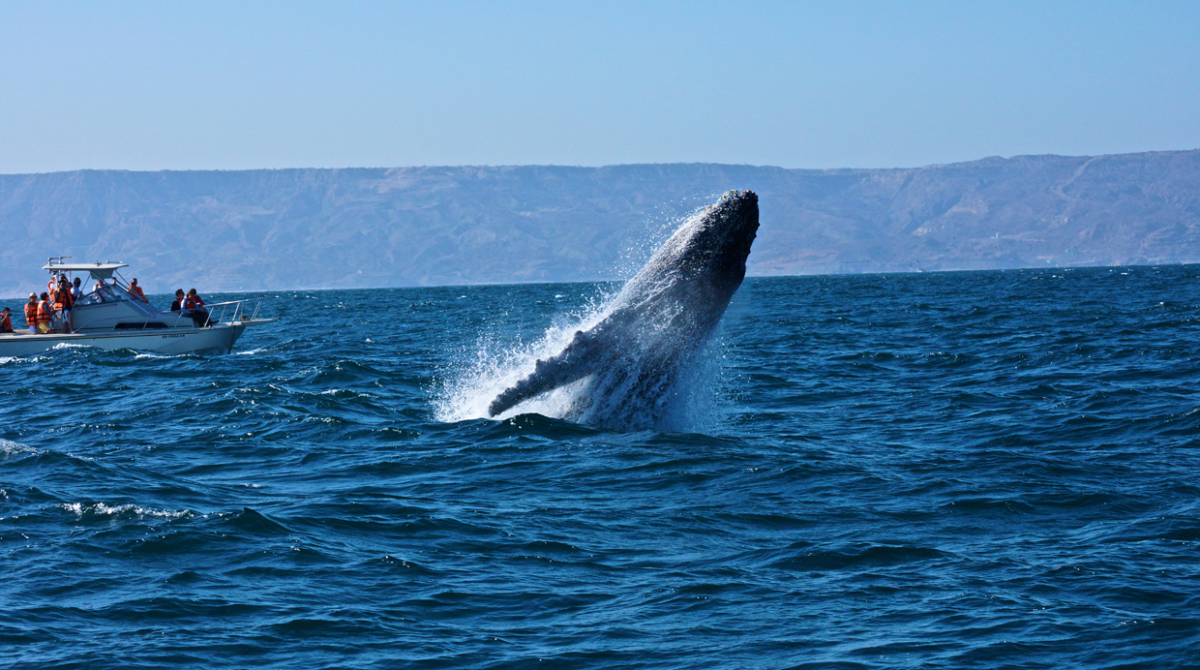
{"x":950,"y":470}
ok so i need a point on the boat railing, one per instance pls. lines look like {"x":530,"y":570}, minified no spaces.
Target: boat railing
{"x":241,"y":311}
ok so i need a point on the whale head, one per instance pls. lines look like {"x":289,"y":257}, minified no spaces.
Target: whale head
{"x":708,"y":251}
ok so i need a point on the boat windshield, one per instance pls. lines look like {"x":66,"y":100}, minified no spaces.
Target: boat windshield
{"x":103,"y":294}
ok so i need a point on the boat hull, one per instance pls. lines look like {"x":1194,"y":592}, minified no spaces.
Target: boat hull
{"x":215,"y":339}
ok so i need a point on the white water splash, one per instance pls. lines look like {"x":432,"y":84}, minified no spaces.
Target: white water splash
{"x":495,"y":367}
{"x":613,"y":396}
{"x":690,"y":405}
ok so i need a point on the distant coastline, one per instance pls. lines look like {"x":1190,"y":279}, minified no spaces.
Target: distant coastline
{"x":257,"y":230}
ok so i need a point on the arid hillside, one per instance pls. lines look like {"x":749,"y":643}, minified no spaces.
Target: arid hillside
{"x":268,"y":229}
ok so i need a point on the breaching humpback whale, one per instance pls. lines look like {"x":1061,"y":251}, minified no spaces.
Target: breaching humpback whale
{"x":632,"y":359}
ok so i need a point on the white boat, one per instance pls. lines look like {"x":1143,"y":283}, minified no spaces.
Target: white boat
{"x":110,"y":317}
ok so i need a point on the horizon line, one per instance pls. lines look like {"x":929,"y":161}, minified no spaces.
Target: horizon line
{"x":596,"y":167}
{"x":748,"y":277}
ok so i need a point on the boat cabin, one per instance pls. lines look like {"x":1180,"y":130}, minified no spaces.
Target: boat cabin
{"x":107,"y":303}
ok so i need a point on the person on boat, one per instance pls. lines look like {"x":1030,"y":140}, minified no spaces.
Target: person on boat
{"x":177,"y":304}
{"x":136,"y":291}
{"x":62,"y":302}
{"x":104,"y":292}
{"x":6,"y":320}
{"x":193,"y":305}
{"x":31,"y":310}
{"x":77,"y":289}
{"x":55,"y":285}
{"x":52,"y":290}
{"x":45,"y":314}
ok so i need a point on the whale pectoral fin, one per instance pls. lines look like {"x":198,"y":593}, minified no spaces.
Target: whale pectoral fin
{"x":574,"y":363}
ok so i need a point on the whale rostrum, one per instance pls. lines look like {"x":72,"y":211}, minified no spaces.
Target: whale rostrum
{"x":633,"y":357}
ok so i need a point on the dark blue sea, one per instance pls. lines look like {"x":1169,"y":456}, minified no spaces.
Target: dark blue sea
{"x":939,"y":470}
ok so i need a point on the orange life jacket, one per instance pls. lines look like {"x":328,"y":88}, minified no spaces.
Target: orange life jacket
{"x":136,"y":291}
{"x":68,"y":300}
{"x":31,"y":310}
{"x":44,"y":313}
{"x":5,"y":324}
{"x":56,"y":300}
{"x":193,"y":302}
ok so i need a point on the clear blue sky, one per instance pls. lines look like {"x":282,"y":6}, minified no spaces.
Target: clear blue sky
{"x":232,"y":85}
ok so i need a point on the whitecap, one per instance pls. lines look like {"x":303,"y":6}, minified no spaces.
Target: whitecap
{"x":103,"y":509}
{"x":356,"y":394}
{"x":8,"y":449}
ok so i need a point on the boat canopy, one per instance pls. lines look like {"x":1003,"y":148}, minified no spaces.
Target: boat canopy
{"x":98,"y":270}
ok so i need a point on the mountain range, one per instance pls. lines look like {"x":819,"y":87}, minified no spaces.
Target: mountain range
{"x":379,"y":227}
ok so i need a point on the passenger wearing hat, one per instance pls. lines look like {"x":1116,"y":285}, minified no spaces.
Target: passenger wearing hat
{"x":31,"y":310}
